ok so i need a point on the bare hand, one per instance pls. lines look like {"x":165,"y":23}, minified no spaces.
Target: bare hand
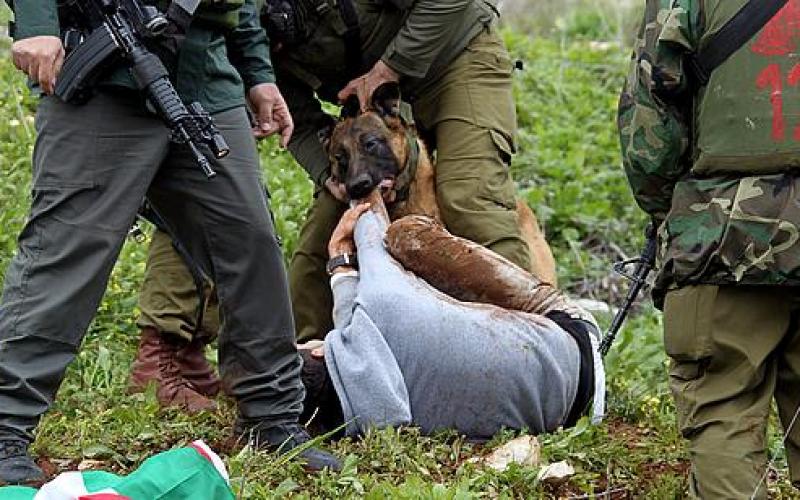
{"x":336,"y":189}
{"x":271,"y":112}
{"x":365,"y":85}
{"x":342,"y":239}
{"x":41,"y":58}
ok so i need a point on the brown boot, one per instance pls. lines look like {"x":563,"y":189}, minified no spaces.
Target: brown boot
{"x":157,"y":362}
{"x":196,"y":369}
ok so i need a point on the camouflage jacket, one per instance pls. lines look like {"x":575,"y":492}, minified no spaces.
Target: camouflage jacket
{"x":731,"y":225}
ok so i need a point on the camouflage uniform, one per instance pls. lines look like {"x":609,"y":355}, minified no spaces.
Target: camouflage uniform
{"x":718,"y":170}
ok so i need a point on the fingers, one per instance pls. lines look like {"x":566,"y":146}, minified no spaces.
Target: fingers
{"x":286,"y":125}
{"x":265,"y":108}
{"x":348,"y":90}
{"x":41,"y":58}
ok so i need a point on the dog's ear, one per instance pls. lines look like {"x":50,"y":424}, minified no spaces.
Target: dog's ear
{"x":324,"y":135}
{"x":386,"y":99}
{"x":351,"y":108}
{"x":325,"y":128}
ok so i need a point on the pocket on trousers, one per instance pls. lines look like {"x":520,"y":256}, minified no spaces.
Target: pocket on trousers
{"x":688,"y":318}
{"x":496,"y":186}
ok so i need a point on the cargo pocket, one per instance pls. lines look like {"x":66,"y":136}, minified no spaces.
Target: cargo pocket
{"x":688,"y":317}
{"x":497,"y":186}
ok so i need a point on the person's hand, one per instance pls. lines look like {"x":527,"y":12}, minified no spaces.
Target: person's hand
{"x":342,"y":241}
{"x":365,"y":85}
{"x":337,"y":189}
{"x":271,"y":112}
{"x":41,"y":58}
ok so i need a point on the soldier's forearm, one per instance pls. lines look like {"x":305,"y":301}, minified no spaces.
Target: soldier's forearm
{"x":248,"y":48}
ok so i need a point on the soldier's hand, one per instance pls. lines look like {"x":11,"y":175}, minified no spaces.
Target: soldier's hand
{"x":365,"y":85}
{"x":41,"y":58}
{"x":271,"y":112}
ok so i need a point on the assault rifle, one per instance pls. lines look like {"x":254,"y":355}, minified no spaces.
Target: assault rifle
{"x":643,"y":265}
{"x":117,"y":31}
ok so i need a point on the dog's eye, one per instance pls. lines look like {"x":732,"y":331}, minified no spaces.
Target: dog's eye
{"x":341,"y":161}
{"x":371,"y":144}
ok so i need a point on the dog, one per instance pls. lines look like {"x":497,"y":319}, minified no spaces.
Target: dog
{"x":378,"y":148}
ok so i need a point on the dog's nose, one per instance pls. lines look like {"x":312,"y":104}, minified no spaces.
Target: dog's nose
{"x":360,"y":186}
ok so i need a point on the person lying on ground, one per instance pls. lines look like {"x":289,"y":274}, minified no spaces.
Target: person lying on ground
{"x":498,"y":350}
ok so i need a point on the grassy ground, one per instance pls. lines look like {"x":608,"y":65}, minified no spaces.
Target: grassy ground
{"x":568,"y":169}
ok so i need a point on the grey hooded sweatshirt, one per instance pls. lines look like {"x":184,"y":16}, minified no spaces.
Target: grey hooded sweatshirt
{"x":403,"y":353}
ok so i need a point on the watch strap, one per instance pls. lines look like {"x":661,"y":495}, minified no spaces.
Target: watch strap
{"x":343,"y":260}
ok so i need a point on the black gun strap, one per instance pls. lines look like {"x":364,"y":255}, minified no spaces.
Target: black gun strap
{"x":733,"y":36}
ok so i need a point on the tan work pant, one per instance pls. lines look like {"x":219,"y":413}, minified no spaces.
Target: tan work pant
{"x":733,"y":350}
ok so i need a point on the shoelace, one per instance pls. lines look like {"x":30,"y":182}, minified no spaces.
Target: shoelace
{"x":167,"y":363}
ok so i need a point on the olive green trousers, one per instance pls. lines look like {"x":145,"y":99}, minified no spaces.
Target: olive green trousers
{"x":733,"y":350}
{"x":469,"y":115}
{"x":169,"y":301}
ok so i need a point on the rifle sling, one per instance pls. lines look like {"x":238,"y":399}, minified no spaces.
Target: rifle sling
{"x":742,"y":27}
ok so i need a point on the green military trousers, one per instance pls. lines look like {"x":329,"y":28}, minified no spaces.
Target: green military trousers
{"x":733,"y":349}
{"x":92,"y":166}
{"x":169,"y":300}
{"x":469,"y":114}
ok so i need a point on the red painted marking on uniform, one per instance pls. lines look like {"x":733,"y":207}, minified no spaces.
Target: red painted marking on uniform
{"x":781,"y":35}
{"x":794,"y":79}
{"x":771,"y":78}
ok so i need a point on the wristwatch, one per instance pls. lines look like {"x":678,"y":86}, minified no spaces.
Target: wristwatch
{"x":343,"y":260}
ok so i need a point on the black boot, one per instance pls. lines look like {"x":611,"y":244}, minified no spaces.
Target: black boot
{"x":16,"y":465}
{"x":284,"y":438}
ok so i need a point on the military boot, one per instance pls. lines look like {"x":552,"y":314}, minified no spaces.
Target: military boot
{"x":157,"y":362}
{"x":16,"y":465}
{"x":196,"y":369}
{"x":283,"y":438}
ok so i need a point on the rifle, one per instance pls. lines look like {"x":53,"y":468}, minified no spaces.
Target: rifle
{"x":644,"y":264}
{"x":118,"y":33}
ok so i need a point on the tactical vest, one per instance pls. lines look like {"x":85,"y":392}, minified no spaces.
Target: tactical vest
{"x":747,"y":119}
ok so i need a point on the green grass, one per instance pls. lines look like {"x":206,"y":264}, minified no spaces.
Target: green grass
{"x":569,"y":170}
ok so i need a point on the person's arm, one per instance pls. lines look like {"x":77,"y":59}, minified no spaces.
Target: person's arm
{"x":344,"y":286}
{"x":35,"y":18}
{"x":305,"y":146}
{"x":655,"y":109}
{"x":37,"y":50}
{"x":413,"y":49}
{"x":420,"y":39}
{"x":248,"y":48}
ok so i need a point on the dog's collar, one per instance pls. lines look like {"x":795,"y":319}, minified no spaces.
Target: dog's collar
{"x":403,"y":181}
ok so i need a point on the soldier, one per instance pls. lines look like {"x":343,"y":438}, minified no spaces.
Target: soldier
{"x":456,"y":73}
{"x":92,"y":166}
{"x":725,"y":197}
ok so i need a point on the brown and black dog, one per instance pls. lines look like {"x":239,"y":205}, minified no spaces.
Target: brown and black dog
{"x":379,"y":148}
